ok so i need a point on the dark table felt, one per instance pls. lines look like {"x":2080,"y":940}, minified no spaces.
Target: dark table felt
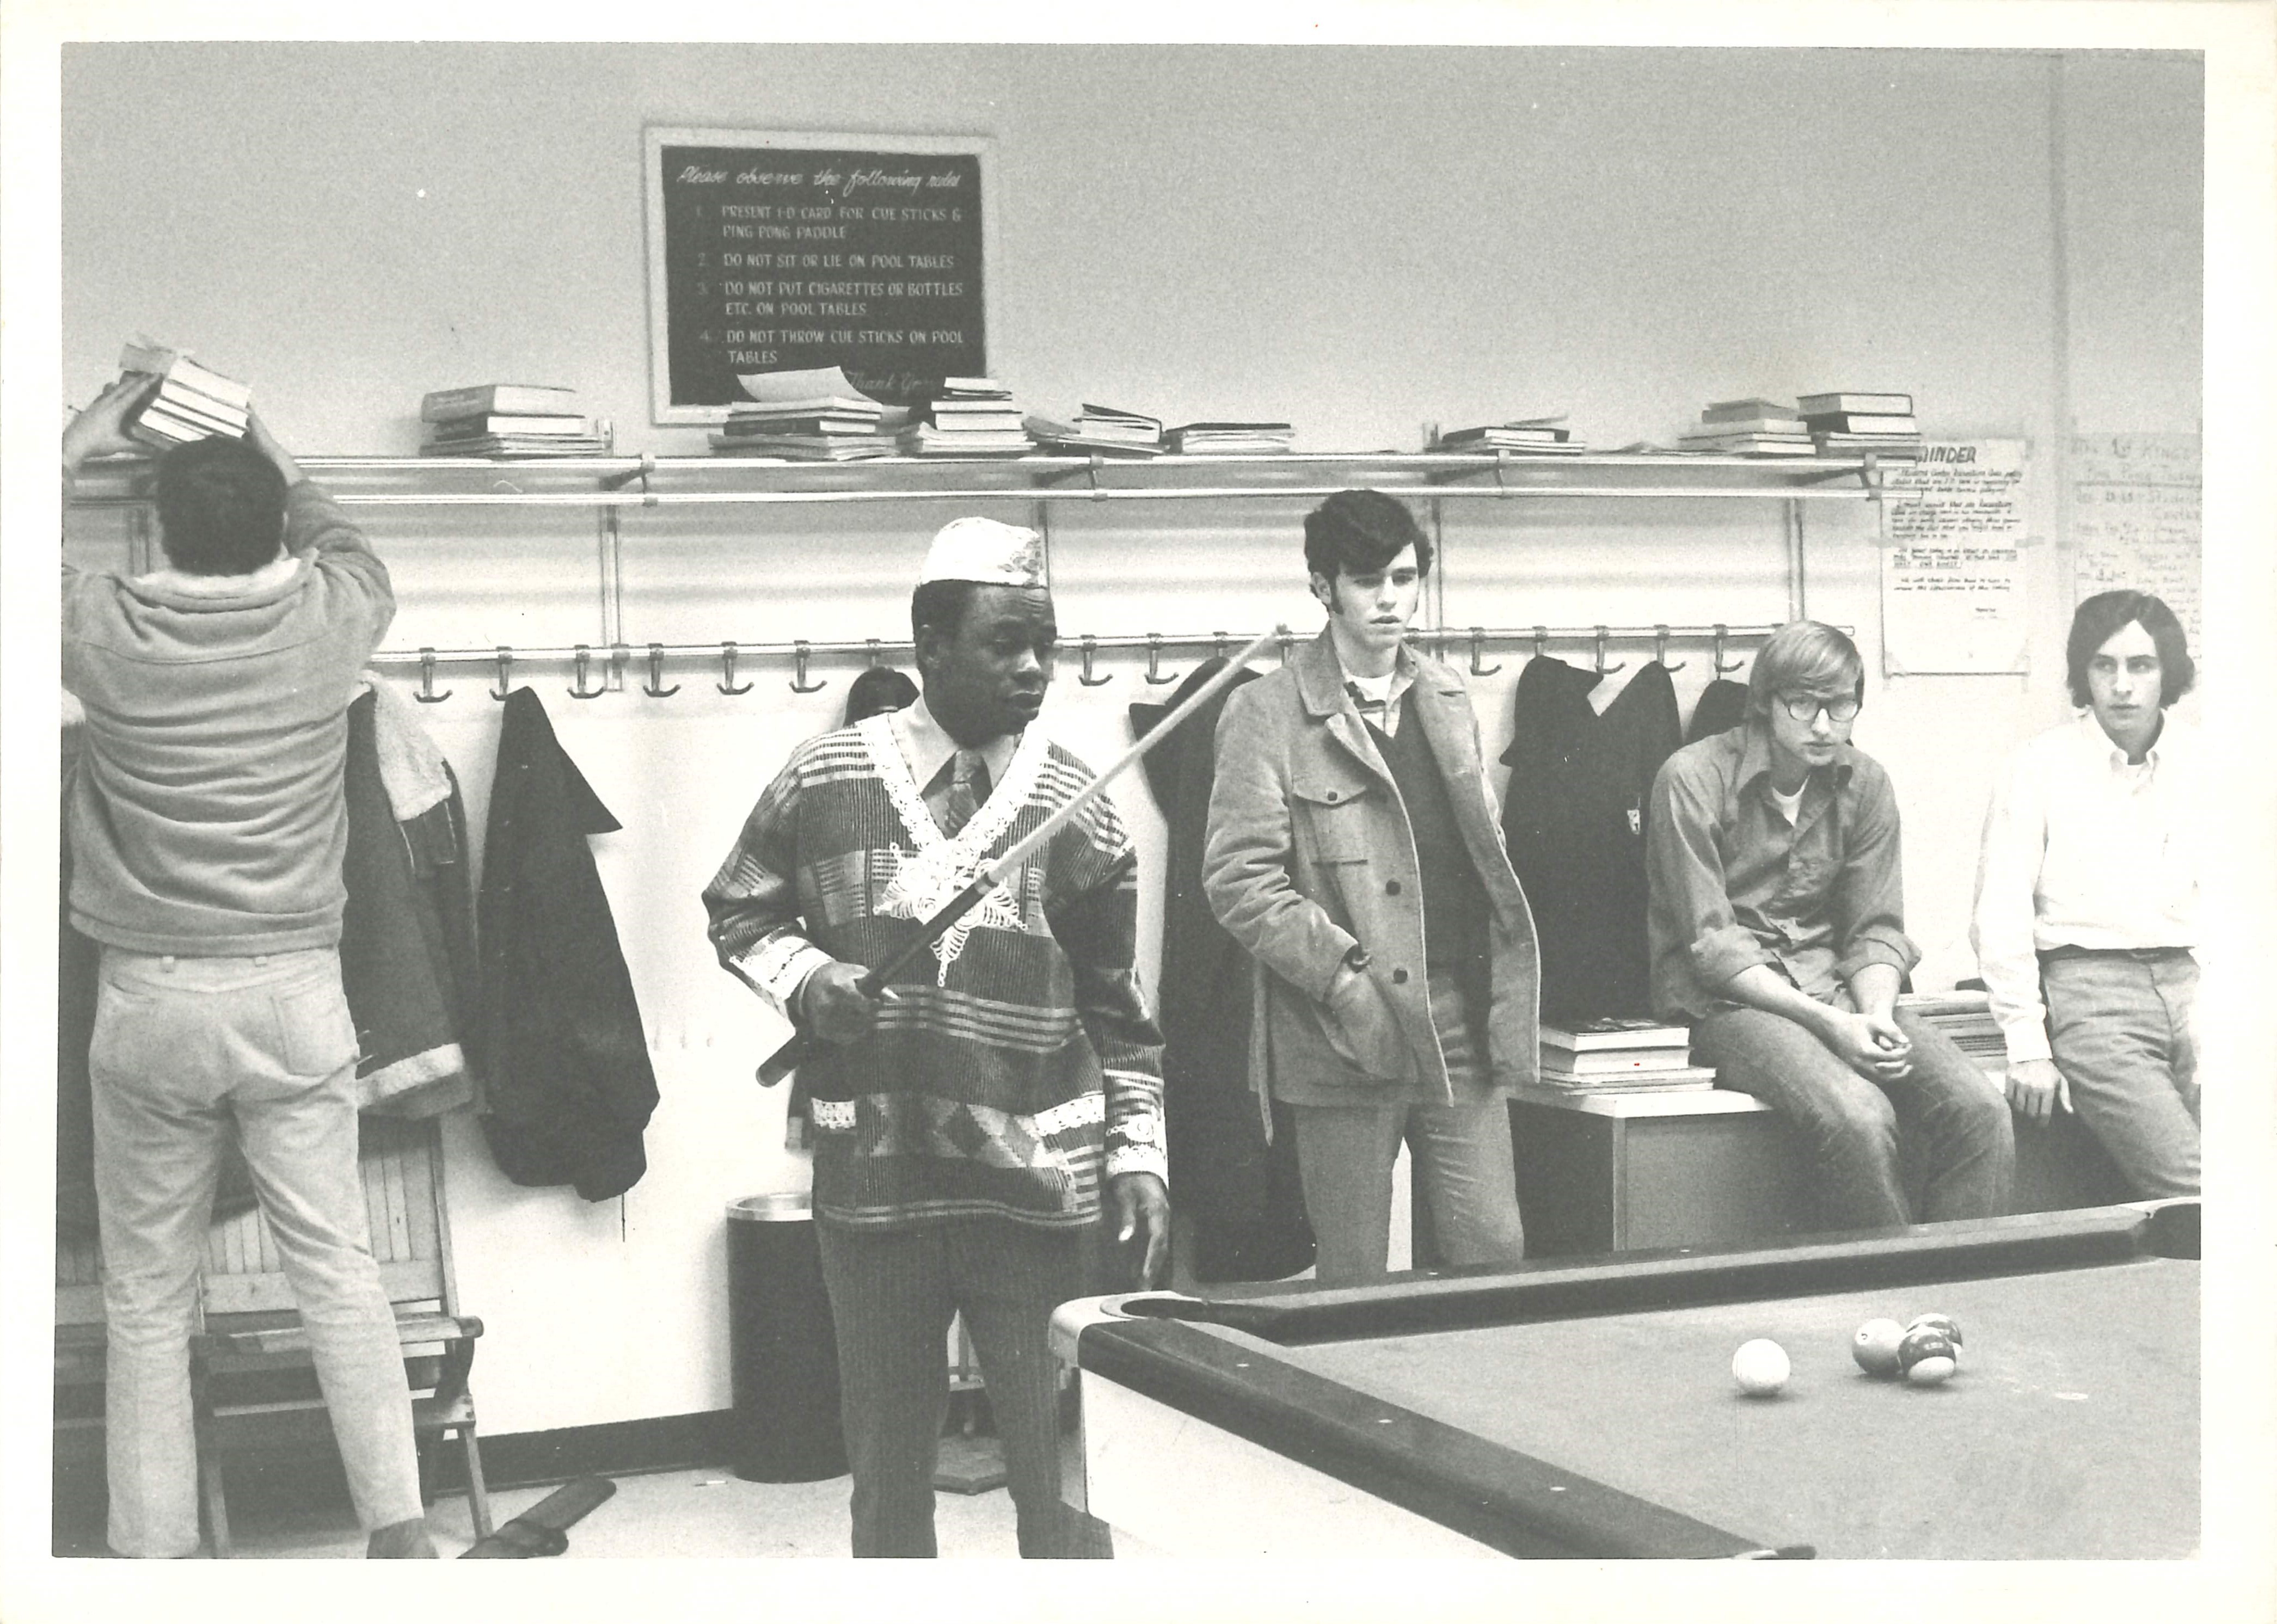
{"x":2070,"y":1432}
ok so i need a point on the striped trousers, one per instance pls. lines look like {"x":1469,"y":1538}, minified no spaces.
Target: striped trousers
{"x":892,"y":1294}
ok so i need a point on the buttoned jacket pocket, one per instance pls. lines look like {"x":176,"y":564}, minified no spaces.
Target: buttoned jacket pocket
{"x":1332,"y":813}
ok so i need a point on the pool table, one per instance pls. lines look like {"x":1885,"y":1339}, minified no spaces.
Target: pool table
{"x":1586,"y":1408}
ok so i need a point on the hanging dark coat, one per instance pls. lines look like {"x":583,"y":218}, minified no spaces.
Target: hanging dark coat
{"x":568,"y":1083}
{"x":1241,"y":1193}
{"x":1722,"y":706}
{"x":1573,"y":817}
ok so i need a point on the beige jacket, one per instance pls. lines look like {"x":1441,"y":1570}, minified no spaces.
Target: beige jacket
{"x":1309,"y":851}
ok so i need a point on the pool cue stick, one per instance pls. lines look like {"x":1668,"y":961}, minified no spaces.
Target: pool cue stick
{"x":539,"y":1531}
{"x":799,"y":1045}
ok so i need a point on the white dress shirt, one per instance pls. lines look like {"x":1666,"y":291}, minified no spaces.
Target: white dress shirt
{"x":2083,"y":849}
{"x":926,"y":746}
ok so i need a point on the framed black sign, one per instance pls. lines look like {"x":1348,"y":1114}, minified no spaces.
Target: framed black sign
{"x":775,"y":252}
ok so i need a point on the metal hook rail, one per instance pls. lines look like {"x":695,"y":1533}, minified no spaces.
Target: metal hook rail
{"x":804,"y":652}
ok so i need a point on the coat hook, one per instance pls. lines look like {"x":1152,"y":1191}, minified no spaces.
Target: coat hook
{"x":584,"y":666}
{"x":1722,"y":670}
{"x":1219,"y":643}
{"x":427,"y":695}
{"x":727,"y":683}
{"x":1541,"y":637}
{"x":1478,"y":648}
{"x":800,"y":652}
{"x":1091,"y":648}
{"x":1283,"y":639}
{"x":1660,"y":650}
{"x":1154,"y":660}
{"x":1605,"y":670}
{"x":654,"y":687}
{"x":504,"y":671}
{"x":877,"y":652}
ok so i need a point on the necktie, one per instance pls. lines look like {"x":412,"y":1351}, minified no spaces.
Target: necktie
{"x":968,"y":788}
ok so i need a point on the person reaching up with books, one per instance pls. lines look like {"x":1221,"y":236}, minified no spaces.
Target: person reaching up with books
{"x":207,"y":867}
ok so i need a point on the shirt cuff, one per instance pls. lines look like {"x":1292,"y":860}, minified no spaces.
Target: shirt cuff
{"x":2027,"y":1041}
{"x":1137,"y":1158}
{"x":1873,"y":950}
{"x":778,"y":967}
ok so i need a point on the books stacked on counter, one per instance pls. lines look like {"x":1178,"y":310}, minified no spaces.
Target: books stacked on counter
{"x":969,"y":417}
{"x":815,"y":415}
{"x":1525,"y":436}
{"x":1624,"y":1056}
{"x":508,"y":419}
{"x":1753,"y":427}
{"x":1965,"y":1017}
{"x":1851,"y":422}
{"x":191,"y":403}
{"x":1107,"y":429}
{"x":1230,"y":439}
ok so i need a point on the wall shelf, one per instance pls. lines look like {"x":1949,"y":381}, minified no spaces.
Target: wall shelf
{"x":660,"y":482}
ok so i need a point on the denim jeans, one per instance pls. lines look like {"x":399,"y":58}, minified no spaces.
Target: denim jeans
{"x":1463,"y":1165}
{"x":184,"y":1048}
{"x":1945,"y":1122}
{"x":892,"y":1293}
{"x":2121,"y":1026}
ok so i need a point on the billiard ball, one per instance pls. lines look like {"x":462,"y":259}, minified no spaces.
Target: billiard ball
{"x":1927,"y":1356}
{"x":1761,"y":1368}
{"x":1938,"y":1322}
{"x":1875,"y":1347}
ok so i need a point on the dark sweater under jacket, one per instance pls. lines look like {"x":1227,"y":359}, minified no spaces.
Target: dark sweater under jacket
{"x":568,"y":1083}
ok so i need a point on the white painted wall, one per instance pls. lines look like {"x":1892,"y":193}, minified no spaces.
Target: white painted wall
{"x":1357,"y":240}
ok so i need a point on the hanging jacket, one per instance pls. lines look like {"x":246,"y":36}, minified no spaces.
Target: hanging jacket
{"x":1722,"y":706}
{"x":1573,"y":817}
{"x":1241,"y":1191}
{"x":407,"y":961}
{"x":567,"y":1084}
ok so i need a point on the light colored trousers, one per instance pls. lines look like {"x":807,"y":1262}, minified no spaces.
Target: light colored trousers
{"x":2122,"y":1024}
{"x":183,"y":1050}
{"x":1944,"y":1121}
{"x":1462,"y":1156}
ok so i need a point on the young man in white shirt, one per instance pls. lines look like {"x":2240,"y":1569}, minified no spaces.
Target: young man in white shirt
{"x":2087,"y":900}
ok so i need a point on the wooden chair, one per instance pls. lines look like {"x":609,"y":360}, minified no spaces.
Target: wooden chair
{"x":252,"y":1380}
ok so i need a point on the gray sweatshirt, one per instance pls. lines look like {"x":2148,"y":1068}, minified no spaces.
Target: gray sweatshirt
{"x":208,"y":818}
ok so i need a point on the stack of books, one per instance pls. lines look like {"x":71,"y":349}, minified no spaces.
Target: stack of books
{"x":192,"y":402}
{"x":1618,"y":1055}
{"x":508,"y":419}
{"x":1229,"y":439}
{"x":1964,"y":1017}
{"x":969,"y":417}
{"x":1531,"y":437}
{"x":1749,"y":428}
{"x":1850,"y":422}
{"x":1109,"y":429}
{"x":812,"y":415}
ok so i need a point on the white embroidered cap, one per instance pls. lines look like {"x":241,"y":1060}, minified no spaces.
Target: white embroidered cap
{"x":986,"y":550}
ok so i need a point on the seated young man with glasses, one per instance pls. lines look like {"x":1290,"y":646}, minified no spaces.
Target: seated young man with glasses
{"x":1777,"y":929}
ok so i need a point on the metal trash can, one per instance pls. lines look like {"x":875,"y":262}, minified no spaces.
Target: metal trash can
{"x":781,"y":1349}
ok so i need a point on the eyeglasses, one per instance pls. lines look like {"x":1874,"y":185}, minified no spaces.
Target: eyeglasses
{"x":1806,"y":707}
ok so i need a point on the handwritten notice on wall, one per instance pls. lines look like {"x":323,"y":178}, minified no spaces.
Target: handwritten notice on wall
{"x":1953,"y":587}
{"x":2134,"y":518}
{"x":775,"y":254}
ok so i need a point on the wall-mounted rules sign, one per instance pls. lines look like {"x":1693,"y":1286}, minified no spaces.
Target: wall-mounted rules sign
{"x":772,"y":253}
{"x":1953,"y":583}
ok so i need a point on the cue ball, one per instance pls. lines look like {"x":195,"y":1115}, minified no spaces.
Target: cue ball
{"x":1875,"y":1347}
{"x":1938,"y":1322}
{"x":1760,"y":1367}
{"x":1927,"y":1356}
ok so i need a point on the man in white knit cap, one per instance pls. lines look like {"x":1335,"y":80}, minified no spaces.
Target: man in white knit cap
{"x":966,"y":1122}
